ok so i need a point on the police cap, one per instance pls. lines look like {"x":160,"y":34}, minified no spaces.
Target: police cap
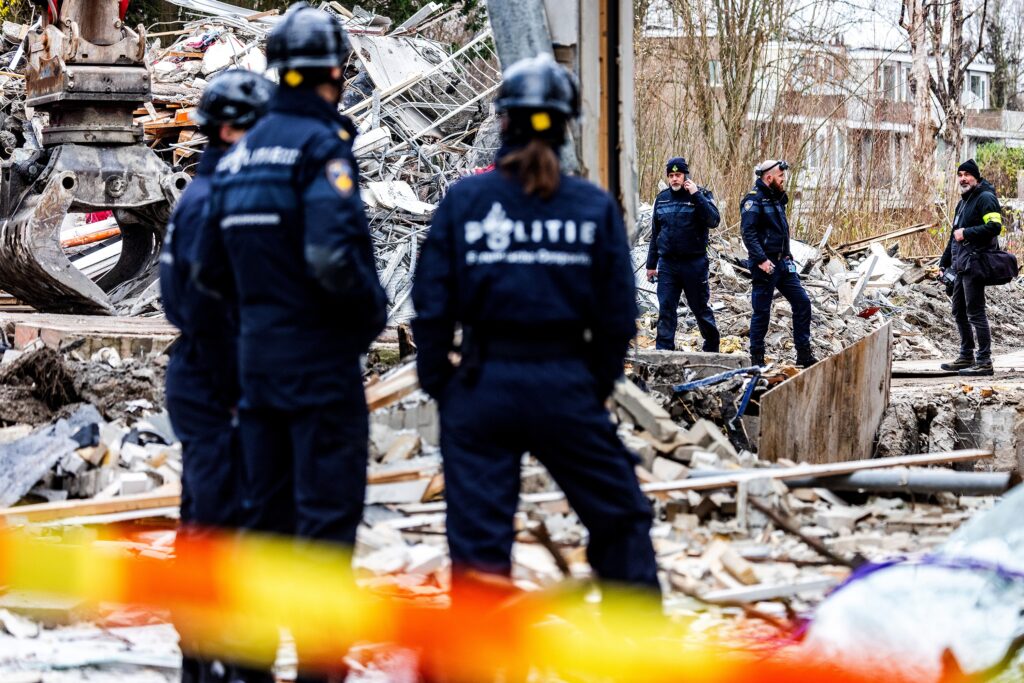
{"x":769,"y":164}
{"x":676,"y":165}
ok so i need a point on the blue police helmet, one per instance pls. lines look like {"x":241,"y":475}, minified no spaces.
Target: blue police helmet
{"x":308,"y":38}
{"x":539,"y":83}
{"x":236,"y":97}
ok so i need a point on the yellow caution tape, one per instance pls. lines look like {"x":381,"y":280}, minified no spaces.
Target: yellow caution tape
{"x":231,"y":595}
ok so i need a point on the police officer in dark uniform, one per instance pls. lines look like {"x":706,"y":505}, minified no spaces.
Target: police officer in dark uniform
{"x":976,"y":226}
{"x":202,"y":379}
{"x":288,"y":237}
{"x":678,"y":254}
{"x":535,"y":268}
{"x":766,"y":236}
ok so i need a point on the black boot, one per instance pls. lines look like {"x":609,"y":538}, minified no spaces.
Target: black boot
{"x":961,"y":363}
{"x":757,"y":358}
{"x":805,"y":358}
{"x":978,"y":370}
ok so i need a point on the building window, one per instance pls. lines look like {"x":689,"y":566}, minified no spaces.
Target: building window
{"x":977,"y":85}
{"x":714,"y":72}
{"x":893,"y":82}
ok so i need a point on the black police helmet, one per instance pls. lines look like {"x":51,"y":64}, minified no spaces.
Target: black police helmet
{"x":308,"y":38}
{"x":539,"y":84}
{"x":236,"y":97}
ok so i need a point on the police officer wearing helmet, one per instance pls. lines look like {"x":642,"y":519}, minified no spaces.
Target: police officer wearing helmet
{"x":288,"y":238}
{"x":766,"y":236}
{"x":534,"y":266}
{"x":678,"y":254}
{"x":202,"y":382}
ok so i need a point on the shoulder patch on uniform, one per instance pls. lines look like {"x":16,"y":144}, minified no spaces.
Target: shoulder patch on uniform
{"x":339,"y":173}
{"x":344,"y":135}
{"x":748,"y":205}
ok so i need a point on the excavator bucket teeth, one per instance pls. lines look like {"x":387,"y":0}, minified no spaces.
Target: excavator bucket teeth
{"x":34,"y":268}
{"x":87,"y":73}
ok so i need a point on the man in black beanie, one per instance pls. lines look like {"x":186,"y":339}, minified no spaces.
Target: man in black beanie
{"x":976,"y":227}
{"x":677,"y":258}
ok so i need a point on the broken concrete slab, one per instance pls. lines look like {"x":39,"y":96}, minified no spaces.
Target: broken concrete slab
{"x":646,"y":412}
{"x":131,"y":337}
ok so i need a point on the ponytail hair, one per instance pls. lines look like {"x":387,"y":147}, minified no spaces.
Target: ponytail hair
{"x":536,"y":167}
{"x":537,"y":136}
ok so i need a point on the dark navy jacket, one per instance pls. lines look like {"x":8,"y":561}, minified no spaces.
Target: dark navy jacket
{"x":206,"y":350}
{"x":680,"y":223}
{"x":288,"y":236}
{"x":978,"y":213}
{"x":499,"y":260}
{"x":763,"y":224}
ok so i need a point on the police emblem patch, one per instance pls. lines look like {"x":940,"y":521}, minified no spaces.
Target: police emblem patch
{"x":344,"y":135}
{"x":748,"y":205}
{"x":339,"y":173}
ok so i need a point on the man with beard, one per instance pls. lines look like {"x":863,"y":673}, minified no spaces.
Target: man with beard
{"x":766,"y":236}
{"x":976,"y":227}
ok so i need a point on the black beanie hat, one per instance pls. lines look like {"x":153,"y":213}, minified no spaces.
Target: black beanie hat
{"x":971,"y":167}
{"x":676,"y":165}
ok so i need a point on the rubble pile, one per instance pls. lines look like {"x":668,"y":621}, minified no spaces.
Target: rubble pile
{"x":81,"y":428}
{"x":420,"y":110}
{"x":853,"y":290}
{"x":12,"y":92}
{"x":751,"y":546}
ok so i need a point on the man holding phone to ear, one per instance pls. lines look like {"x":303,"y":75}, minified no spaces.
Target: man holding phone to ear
{"x":766,"y":236}
{"x":678,"y":256}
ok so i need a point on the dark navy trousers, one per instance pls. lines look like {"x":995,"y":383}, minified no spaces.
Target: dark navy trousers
{"x":210,"y":450}
{"x":305,"y":477}
{"x":306,"y":469}
{"x":761,"y":295}
{"x":687,"y":276}
{"x":511,"y":408}
{"x":211,"y":479}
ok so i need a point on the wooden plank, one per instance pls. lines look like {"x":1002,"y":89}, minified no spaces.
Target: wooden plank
{"x":392,"y":388}
{"x":261,"y":15}
{"x":861,"y":243}
{"x":45,"y":512}
{"x":760,"y":593}
{"x":830,"y":411}
{"x":161,"y":34}
{"x":781,"y":473}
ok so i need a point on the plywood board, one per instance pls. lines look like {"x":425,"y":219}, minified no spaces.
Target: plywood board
{"x":830,"y":411}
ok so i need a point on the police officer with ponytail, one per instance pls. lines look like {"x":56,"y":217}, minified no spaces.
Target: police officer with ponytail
{"x":533,"y":267}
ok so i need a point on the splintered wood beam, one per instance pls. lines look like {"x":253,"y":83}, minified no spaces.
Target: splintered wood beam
{"x":46,"y":512}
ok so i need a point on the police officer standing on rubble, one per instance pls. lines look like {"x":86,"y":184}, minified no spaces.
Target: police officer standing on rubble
{"x":678,"y":254}
{"x":976,"y":227}
{"x":288,"y":236}
{"x":766,"y":236}
{"x":202,"y":379}
{"x":533,"y":265}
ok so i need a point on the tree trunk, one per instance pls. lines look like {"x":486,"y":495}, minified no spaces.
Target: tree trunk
{"x":923,"y":141}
